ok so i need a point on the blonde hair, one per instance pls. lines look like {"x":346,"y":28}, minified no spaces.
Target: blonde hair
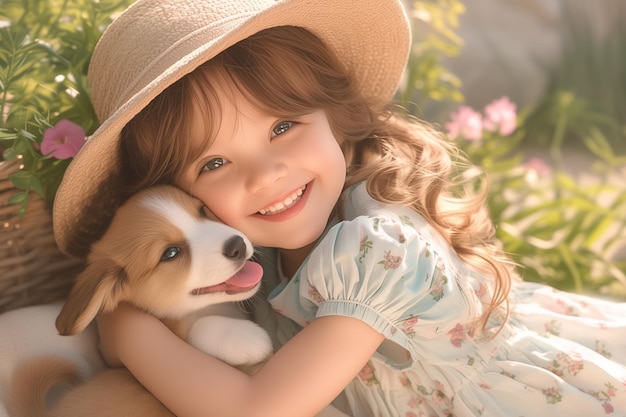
{"x":288,"y":71}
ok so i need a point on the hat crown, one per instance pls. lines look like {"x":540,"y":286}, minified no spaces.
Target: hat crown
{"x":134,"y":54}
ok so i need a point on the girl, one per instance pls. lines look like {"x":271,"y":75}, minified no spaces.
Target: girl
{"x":386,"y":291}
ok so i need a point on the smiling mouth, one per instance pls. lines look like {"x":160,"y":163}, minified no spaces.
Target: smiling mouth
{"x":286,"y":204}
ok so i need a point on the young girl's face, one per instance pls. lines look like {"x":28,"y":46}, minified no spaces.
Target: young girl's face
{"x":276,"y":179}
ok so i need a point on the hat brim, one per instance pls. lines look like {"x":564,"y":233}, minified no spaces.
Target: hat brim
{"x":371,"y":37}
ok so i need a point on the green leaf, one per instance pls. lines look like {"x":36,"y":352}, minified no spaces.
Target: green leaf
{"x":19,"y":197}
{"x":21,"y":179}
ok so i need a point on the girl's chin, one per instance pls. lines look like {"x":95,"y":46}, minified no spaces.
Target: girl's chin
{"x":289,"y":239}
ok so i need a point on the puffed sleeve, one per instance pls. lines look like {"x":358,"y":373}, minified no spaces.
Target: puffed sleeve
{"x":382,"y":271}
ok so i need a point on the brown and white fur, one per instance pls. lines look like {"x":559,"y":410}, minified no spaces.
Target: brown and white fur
{"x":162,"y":254}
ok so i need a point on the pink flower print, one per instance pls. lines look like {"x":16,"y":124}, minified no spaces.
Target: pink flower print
{"x":367,"y":375}
{"x":436,"y":290}
{"x":553,"y":395}
{"x":408,"y":326}
{"x":564,"y":308}
{"x":466,"y":123}
{"x":553,"y":327}
{"x":416,"y":403}
{"x":566,"y":363}
{"x":364,"y":247}
{"x":440,"y":400}
{"x":405,"y":382}
{"x":437,"y":398}
{"x":611,"y":391}
{"x":501,"y":116}
{"x":389,"y":261}
{"x":315,"y":295}
{"x":576,"y":366}
{"x":481,"y":291}
{"x":457,"y":335}
{"x":605,"y":397}
{"x":63,"y":141}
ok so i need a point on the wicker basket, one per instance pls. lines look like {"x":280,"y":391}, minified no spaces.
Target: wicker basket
{"x":32,"y":268}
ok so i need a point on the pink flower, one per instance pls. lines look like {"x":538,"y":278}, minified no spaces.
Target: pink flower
{"x":368,"y":375}
{"x":63,"y":140}
{"x":537,"y":169}
{"x":539,"y":166}
{"x":466,"y":123}
{"x":315,"y":295}
{"x":390,"y":261}
{"x":408,"y":326}
{"x":457,"y":335}
{"x":500,"y":116}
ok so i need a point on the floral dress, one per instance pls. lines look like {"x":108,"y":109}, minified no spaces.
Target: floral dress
{"x":557,"y":354}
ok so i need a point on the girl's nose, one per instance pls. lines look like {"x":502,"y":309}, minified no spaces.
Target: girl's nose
{"x":265,"y":172}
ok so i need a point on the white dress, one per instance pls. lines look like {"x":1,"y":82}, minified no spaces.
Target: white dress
{"x":559,"y":354}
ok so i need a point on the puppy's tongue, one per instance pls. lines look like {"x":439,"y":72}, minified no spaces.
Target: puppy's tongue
{"x":244,"y":280}
{"x":247,"y":276}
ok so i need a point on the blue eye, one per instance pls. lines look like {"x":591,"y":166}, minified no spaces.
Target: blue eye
{"x":170,"y":253}
{"x":214,"y":164}
{"x":281,"y":128}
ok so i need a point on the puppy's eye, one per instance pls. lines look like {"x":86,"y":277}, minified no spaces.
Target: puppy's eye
{"x":170,"y":253}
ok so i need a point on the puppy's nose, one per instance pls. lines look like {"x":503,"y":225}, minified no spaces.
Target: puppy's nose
{"x":234,"y":248}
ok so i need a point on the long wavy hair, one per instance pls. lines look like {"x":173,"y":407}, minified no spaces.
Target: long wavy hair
{"x":287,"y":71}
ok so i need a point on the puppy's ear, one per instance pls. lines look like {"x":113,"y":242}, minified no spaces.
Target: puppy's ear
{"x":98,"y":288}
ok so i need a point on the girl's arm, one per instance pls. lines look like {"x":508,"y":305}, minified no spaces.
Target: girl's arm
{"x":303,"y":377}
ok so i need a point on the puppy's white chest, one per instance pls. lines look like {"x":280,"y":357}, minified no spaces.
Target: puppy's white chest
{"x":234,"y":341}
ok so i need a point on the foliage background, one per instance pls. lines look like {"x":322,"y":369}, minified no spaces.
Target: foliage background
{"x":560,"y":230}
{"x":563,"y":230}
{"x":45,"y":48}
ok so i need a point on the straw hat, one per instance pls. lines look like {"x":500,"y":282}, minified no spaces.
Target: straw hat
{"x":156,"y":42}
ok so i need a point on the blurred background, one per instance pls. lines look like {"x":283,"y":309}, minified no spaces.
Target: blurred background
{"x":559,"y":180}
{"x":555,"y":56}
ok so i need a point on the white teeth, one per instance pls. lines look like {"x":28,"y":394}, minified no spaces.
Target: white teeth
{"x":285,"y":204}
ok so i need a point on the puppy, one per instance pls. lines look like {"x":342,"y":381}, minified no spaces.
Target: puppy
{"x":164,"y":255}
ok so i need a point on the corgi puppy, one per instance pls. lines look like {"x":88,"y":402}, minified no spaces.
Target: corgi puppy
{"x":163,"y":254}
